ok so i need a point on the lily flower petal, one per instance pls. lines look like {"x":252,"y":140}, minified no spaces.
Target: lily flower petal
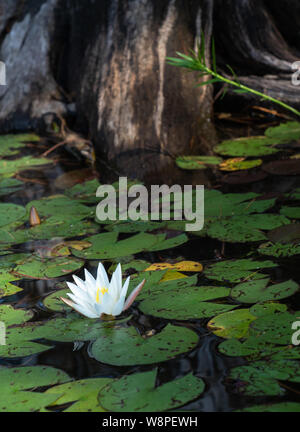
{"x":94,"y":297}
{"x":82,"y":310}
{"x":133,"y":295}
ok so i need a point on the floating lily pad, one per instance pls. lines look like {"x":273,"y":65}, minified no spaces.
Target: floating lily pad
{"x":244,"y":177}
{"x":136,"y":226}
{"x":48,"y":229}
{"x":137,"y":265}
{"x":16,"y":384}
{"x":233,"y":324}
{"x":156,"y":285}
{"x":252,"y":348}
{"x":54,"y":303}
{"x":261,"y":378}
{"x":10,"y":213}
{"x":274,"y":328}
{"x":279,"y":250}
{"x":61,"y":207}
{"x":196,"y":162}
{"x":84,"y":192}
{"x":282,"y":167}
{"x":172,"y":275}
{"x":83,"y":394}
{"x":284,"y":132}
{"x":6,"y":287}
{"x":37,"y":268}
{"x":217,"y":205}
{"x":188,"y":266}
{"x":75,"y":327}
{"x":169,"y":243}
{"x":291,"y":212}
{"x":9,"y":168}
{"x":187,"y":303}
{"x":237,"y":164}
{"x":126,"y":347}
{"x":11,"y":316}
{"x":252,"y":146}
{"x":11,"y":144}
{"x":19,"y":341}
{"x":9,"y":185}
{"x":106,"y":245}
{"x":236,"y":271}
{"x":242,"y":229}
{"x":286,"y":233}
{"x":138,"y":393}
{"x":260,"y":291}
{"x":277,"y":407}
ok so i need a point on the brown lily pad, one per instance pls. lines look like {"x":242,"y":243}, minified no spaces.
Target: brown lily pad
{"x":244,"y":177}
{"x":283,"y":167}
{"x":285,"y":234}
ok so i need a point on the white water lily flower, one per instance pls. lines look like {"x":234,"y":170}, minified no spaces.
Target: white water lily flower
{"x":94,"y":297}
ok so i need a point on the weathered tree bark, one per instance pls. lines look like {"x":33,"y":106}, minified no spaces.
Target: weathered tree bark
{"x":108,"y":57}
{"x":249,"y":38}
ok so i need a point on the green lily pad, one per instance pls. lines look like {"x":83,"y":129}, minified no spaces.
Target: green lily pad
{"x":275,"y":328}
{"x":242,"y":229}
{"x":187,"y":303}
{"x":236,"y":164}
{"x":54,"y":303}
{"x":11,"y":316}
{"x":6,"y":287}
{"x":291,"y":212}
{"x":277,"y":407}
{"x":252,"y":348}
{"x":126,"y":347}
{"x":10,"y":213}
{"x":197,"y":162}
{"x":154,"y":286}
{"x":107,"y":246}
{"x":261,"y":378}
{"x":219,"y":205}
{"x":169,"y":243}
{"x":83,"y":394}
{"x":17,"y":382}
{"x":48,"y":229}
{"x":260,"y":291}
{"x":138,"y":393}
{"x":252,"y":146}
{"x":284,"y":132}
{"x":233,"y":324}
{"x":137,"y":265}
{"x":9,"y":185}
{"x":279,"y":250}
{"x":61,"y":207}
{"x":9,"y":168}
{"x":11,"y":144}
{"x":38,"y":268}
{"x":136,"y":226}
{"x":19,"y":341}
{"x":84,"y":192}
{"x":236,"y":271}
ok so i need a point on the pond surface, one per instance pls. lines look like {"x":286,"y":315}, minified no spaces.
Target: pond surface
{"x":214,"y":339}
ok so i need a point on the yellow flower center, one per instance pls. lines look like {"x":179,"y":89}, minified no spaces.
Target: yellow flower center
{"x":102,"y":290}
